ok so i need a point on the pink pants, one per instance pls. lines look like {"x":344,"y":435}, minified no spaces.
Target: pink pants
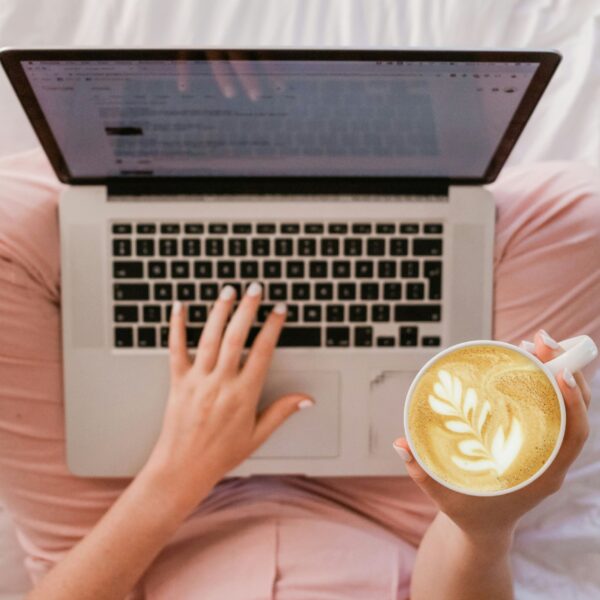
{"x":263,"y":537}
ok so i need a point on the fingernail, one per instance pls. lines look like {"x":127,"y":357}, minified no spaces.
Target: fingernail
{"x":254,"y":289}
{"x":568,"y":378}
{"x":403,"y":453}
{"x":527,"y":346}
{"x":177,"y":307}
{"x":227,"y":293}
{"x":280,"y":308}
{"x":548,"y":341}
{"x":228,"y":91}
{"x":305,"y":403}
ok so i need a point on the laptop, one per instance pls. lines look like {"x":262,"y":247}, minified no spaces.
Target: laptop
{"x":348,"y":182}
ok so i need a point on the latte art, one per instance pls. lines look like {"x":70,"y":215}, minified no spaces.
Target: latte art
{"x":484,"y":417}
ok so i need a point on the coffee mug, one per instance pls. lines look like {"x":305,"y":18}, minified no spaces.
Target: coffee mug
{"x":486,"y":418}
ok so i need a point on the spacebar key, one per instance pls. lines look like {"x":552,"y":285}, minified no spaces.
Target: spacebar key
{"x":300,"y":337}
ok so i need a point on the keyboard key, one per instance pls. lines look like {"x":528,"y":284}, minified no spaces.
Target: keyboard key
{"x":369,"y":291}
{"x":164,"y":337}
{"x":430,"y":340}
{"x":203,"y":269}
{"x":163,"y":291}
{"x":409,"y":228}
{"x":263,"y":312}
{"x":214,"y":247}
{"x":168,"y":247}
{"x":292,"y":313}
{"x":363,"y":269}
{"x":146,"y":228}
{"x":226,"y":269}
{"x":197,"y":313}
{"x":323,"y":291}
{"x":131,"y":291}
{"x":337,"y":336}
{"x":352,"y":247}
{"x":433,"y":228}
{"x":363,"y":336}
{"x":261,"y":247}
{"x":312,"y":312}
{"x":300,"y":337}
{"x":144,"y":247}
{"x":313,"y":228}
{"x":386,"y":341}
{"x":242,"y":228}
{"x":385,"y":228}
{"x":157,"y":269}
{"x":294,"y":269}
{"x":123,"y":269}
{"x":417,"y":312}
{"x":290,"y":228}
{"x":408,"y":336}
{"x":238,"y":290}
{"x":330,"y":247}
{"x":358,"y":313}
{"x":191,"y":247}
{"x":168,"y":311}
{"x":152,"y":313}
{"x":361,"y":228}
{"x":337,"y":228}
{"x":432,"y":270}
{"x":209,"y":291}
{"x":126,"y":313}
{"x":432,"y":247}
{"x":386,"y":269}
{"x":249,"y":269}
{"x":415,"y":291}
{"x":409,"y":268}
{"x":194,"y":228}
{"x":317,"y":268}
{"x":307,"y":247}
{"x":346,"y":291}
{"x":376,"y":247}
{"x":272,"y":269}
{"x":265,"y":228}
{"x":341,"y":268}
{"x":121,"y":247}
{"x":169,"y":228}
{"x":284,"y":247}
{"x":398,"y":247}
{"x":180,"y":269}
{"x":380,"y":313}
{"x":123,"y":337}
{"x":237,"y":247}
{"x":218,"y":228}
{"x":392,"y":291}
{"x":186,"y":291}
{"x":147,"y":337}
{"x":335,"y":313}
{"x":192,"y":336}
{"x":300,"y":291}
{"x":278,"y":291}
{"x":121,"y":228}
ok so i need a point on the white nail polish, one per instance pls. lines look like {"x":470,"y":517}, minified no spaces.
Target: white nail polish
{"x":548,"y":341}
{"x":280,"y":308}
{"x":568,"y":378}
{"x":402,"y":453}
{"x":306,"y":403}
{"x":254,"y":289}
{"x":177,"y":306}
{"x":527,"y":346}
{"x":227,"y":293}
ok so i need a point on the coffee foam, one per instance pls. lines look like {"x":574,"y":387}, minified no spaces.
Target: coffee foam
{"x":484,"y":418}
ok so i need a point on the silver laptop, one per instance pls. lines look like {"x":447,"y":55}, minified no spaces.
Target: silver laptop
{"x":348,"y":182}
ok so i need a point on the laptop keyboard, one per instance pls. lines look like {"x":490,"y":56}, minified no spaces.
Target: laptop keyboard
{"x":346,"y":284}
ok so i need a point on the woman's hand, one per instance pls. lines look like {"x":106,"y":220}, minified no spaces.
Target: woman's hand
{"x":496,"y":516}
{"x":210,"y":424}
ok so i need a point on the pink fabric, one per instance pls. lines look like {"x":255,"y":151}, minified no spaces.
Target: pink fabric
{"x":283,"y":538}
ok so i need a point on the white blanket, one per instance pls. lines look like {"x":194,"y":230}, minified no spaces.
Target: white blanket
{"x":557,"y":549}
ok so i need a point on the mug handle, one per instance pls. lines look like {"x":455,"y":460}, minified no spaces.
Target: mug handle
{"x":578,"y":352}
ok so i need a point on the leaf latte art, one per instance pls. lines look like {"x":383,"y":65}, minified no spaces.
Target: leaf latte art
{"x":484,"y":418}
{"x":467,"y":417}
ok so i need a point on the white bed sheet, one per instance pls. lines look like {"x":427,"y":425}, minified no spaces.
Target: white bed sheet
{"x":557,"y":549}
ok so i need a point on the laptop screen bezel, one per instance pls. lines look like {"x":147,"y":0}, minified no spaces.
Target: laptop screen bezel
{"x":12,"y":58}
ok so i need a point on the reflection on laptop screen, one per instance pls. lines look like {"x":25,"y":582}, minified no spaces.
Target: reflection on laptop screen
{"x":330,"y":118}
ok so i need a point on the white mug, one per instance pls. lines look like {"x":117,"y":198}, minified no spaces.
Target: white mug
{"x":578,"y":352}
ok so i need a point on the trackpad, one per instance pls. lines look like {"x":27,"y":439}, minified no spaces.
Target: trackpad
{"x":311,"y":432}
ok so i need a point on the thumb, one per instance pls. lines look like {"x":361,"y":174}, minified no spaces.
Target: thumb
{"x":276,"y":413}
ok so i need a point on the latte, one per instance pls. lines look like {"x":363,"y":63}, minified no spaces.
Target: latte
{"x":484,"y":418}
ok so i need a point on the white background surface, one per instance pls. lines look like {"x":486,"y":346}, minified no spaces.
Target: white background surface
{"x":557,"y":549}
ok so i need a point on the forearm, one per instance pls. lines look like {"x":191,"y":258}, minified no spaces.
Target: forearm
{"x":454,"y":566}
{"x":108,"y":562}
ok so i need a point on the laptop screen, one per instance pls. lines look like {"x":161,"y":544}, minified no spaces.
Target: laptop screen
{"x":231,"y":116}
